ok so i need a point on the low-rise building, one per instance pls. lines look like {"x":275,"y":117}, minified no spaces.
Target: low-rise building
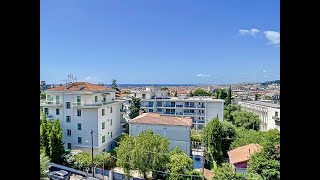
{"x":82,"y":107}
{"x":200,"y":109}
{"x":176,"y":129}
{"x":240,"y":156}
{"x":268,"y":112}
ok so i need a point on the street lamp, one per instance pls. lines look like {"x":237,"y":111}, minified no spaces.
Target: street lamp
{"x":92,"y":165}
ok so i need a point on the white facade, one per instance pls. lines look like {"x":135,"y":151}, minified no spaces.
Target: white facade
{"x":178,"y":135}
{"x":200,"y":109}
{"x":269,"y":113}
{"x":85,"y":113}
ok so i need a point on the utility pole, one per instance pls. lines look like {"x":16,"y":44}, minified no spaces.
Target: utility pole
{"x":92,"y":152}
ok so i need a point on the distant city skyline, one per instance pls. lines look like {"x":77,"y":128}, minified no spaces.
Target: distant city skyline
{"x":160,"y":42}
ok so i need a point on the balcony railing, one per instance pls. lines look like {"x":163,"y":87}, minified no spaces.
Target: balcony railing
{"x":198,"y":121}
{"x":50,"y":103}
{"x":166,"y":105}
{"x":146,"y":105}
{"x":90,"y":104}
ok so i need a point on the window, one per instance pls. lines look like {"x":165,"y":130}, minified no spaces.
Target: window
{"x":110,"y":122}
{"x":150,"y":110}
{"x":78,"y":100}
{"x":96,"y":99}
{"x":69,"y":145}
{"x":110,"y":109}
{"x":103,"y":112}
{"x":46,"y":111}
{"x":69,"y":132}
{"x":79,"y":140}
{"x":68,"y":105}
{"x":49,"y":99}
{"x":68,"y":118}
{"x":110,"y":134}
{"x":57,"y":112}
{"x":79,"y":126}
{"x":164,"y":131}
{"x":57,"y":100}
{"x":79,"y":112}
{"x":103,"y":139}
{"x":103,"y":125}
{"x":276,"y":114}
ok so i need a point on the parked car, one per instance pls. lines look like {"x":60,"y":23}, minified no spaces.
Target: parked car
{"x":59,"y":175}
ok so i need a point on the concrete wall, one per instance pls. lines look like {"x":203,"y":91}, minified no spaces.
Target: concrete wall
{"x":178,"y":135}
{"x":214,"y":108}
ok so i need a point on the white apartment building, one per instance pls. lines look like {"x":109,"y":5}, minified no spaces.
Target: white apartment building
{"x":82,"y":107}
{"x":268,"y":112}
{"x":200,"y":109}
{"x":176,"y":129}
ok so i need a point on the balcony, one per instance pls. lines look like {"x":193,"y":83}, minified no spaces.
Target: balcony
{"x":49,"y":117}
{"x":90,"y":105}
{"x":276,"y":118}
{"x":198,"y":121}
{"x":146,"y":106}
{"x":168,"y":105}
{"x":50,"y":103}
{"x":179,"y":106}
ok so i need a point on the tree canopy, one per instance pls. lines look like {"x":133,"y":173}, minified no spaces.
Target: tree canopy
{"x":247,"y":120}
{"x":143,"y":153}
{"x":228,"y":136}
{"x":225,"y":171}
{"x":55,"y":143}
{"x":179,"y":163}
{"x":201,"y":92}
{"x":135,"y":107}
{"x":44,"y":165}
{"x":221,"y":94}
{"x":229,"y":97}
{"x":212,"y":137}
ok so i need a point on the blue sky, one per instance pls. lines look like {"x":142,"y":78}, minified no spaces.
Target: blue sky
{"x":160,"y":41}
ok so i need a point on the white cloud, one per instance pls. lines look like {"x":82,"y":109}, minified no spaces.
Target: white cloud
{"x":203,"y":75}
{"x":250,"y":32}
{"x":264,"y":71}
{"x":90,"y":79}
{"x":273,"y":37}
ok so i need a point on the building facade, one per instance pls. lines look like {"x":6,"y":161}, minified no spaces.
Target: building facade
{"x":200,"y":109}
{"x":268,"y":112}
{"x":176,"y":129}
{"x":82,"y":107}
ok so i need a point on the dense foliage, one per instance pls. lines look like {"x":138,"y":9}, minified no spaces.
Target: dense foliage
{"x":135,"y":107}
{"x":44,"y":165}
{"x":179,"y":163}
{"x":201,"y":92}
{"x":225,"y":171}
{"x":143,"y":153}
{"x":247,"y":120}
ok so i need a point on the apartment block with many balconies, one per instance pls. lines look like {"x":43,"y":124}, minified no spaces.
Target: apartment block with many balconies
{"x":268,"y":112}
{"x":82,"y":107}
{"x":200,"y":109}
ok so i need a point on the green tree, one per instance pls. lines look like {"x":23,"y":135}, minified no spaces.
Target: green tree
{"x":248,"y":120}
{"x":229,"y":97}
{"x":212,"y":137}
{"x":114,"y":84}
{"x":221,"y":94}
{"x":228,"y":136}
{"x":227,"y":113}
{"x":201,"y":92}
{"x":44,"y":165}
{"x":55,"y":143}
{"x":263,"y":164}
{"x":145,"y":152}
{"x":42,"y":95}
{"x":103,"y":160}
{"x":256,"y":96}
{"x":175,"y":94}
{"x":135,"y":107}
{"x":164,"y":89}
{"x":225,"y":171}
{"x":245,"y":136}
{"x":179,"y":163}
{"x":267,"y":97}
{"x":44,"y":134}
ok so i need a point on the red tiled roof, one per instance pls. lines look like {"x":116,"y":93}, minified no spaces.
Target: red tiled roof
{"x":153,"y":118}
{"x":85,"y":87}
{"x":208,"y":174}
{"x":241,"y":154}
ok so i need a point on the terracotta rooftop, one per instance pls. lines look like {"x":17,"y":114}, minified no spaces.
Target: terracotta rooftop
{"x":153,"y":118}
{"x":80,"y":86}
{"x":242,"y":154}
